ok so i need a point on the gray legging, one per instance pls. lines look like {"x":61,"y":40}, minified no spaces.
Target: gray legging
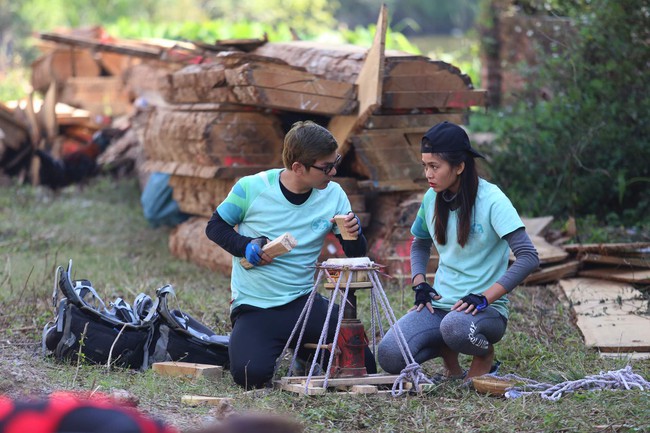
{"x":425,"y":333}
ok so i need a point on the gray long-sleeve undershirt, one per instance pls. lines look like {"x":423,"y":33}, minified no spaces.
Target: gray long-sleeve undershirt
{"x":526,"y":259}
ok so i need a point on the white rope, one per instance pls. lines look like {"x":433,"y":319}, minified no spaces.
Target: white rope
{"x":413,"y":371}
{"x":623,"y":379}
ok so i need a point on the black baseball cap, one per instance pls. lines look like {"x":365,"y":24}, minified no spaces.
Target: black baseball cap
{"x":447,"y":137}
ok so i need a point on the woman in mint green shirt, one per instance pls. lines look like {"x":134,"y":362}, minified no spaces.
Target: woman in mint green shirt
{"x":473,"y":226}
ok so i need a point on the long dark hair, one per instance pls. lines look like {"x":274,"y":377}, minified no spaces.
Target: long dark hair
{"x":466,"y":197}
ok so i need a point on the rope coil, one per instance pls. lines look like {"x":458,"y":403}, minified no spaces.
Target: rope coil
{"x":623,"y":379}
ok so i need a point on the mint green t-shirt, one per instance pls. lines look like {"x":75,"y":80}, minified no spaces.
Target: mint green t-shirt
{"x":484,"y":258}
{"x":257,"y":206}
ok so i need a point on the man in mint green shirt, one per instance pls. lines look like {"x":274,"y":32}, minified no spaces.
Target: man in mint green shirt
{"x":267,"y":299}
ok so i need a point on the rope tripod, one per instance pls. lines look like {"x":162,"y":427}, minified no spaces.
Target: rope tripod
{"x":623,"y":379}
{"x":412,"y":373}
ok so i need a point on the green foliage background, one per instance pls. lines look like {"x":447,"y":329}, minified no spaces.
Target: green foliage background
{"x":583,"y":152}
{"x":586,"y":151}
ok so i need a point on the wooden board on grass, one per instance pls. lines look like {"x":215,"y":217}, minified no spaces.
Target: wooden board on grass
{"x":196,"y":400}
{"x":188,"y":369}
{"x":627,"y":275}
{"x":608,"y":248}
{"x":537,"y":226}
{"x":553,"y":273}
{"x":547,"y":253}
{"x":616,"y":260}
{"x":611,"y":316}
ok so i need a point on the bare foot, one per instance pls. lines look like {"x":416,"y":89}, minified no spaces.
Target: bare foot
{"x":481,"y":364}
{"x":450,"y":360}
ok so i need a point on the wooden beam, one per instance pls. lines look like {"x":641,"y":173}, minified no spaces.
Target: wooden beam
{"x":553,"y":273}
{"x":442,"y":99}
{"x":617,"y":260}
{"x":607,"y":248}
{"x":293,"y":101}
{"x":288,"y":78}
{"x":398,"y":121}
{"x":628,"y":275}
{"x":369,"y":86}
{"x":147,"y":52}
{"x":196,"y":400}
{"x":537,"y":226}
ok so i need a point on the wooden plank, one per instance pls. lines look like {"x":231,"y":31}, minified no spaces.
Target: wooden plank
{"x":290,"y":79}
{"x":617,"y":260}
{"x":363,"y":389}
{"x":47,"y":117}
{"x":99,"y":95}
{"x":79,"y":41}
{"x":197,"y":400}
{"x":537,"y":226}
{"x":15,"y":132}
{"x":214,"y":138}
{"x":293,"y":101}
{"x":547,"y":253}
{"x":398,"y":121}
{"x":199,"y":196}
{"x":369,"y":379}
{"x":369,"y":88}
{"x":451,"y":99}
{"x":205,"y":172}
{"x":61,"y":64}
{"x":611,"y":316}
{"x":302,"y":389}
{"x":277,"y":247}
{"x":553,"y":273}
{"x":421,"y":66}
{"x":636,"y":356}
{"x":188,"y":241}
{"x":116,"y":63}
{"x":436,"y":82}
{"x":188,"y":370}
{"x":608,"y":248}
{"x":370,"y":79}
{"x":628,"y":275}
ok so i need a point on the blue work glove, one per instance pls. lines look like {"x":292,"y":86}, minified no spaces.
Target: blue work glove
{"x":254,"y":250}
{"x":424,"y":293}
{"x":479,"y":302}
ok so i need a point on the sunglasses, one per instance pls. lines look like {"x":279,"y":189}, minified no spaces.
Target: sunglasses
{"x":327,"y":168}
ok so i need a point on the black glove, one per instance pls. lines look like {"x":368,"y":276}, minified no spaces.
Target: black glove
{"x":424,"y":293}
{"x":479,"y":302}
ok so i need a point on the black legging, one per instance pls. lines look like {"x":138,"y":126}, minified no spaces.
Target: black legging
{"x":259,"y":335}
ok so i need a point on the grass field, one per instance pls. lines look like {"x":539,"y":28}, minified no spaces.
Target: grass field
{"x":101,"y":228}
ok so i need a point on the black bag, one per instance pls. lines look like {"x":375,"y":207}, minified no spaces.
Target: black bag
{"x":85,"y":326}
{"x":133,"y":337}
{"x":180,"y":337}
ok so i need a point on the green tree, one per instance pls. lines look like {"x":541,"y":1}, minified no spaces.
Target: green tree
{"x":306,"y":17}
{"x":413,"y":16}
{"x":587,"y":149}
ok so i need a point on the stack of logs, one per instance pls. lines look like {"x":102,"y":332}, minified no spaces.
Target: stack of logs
{"x":226,"y":118}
